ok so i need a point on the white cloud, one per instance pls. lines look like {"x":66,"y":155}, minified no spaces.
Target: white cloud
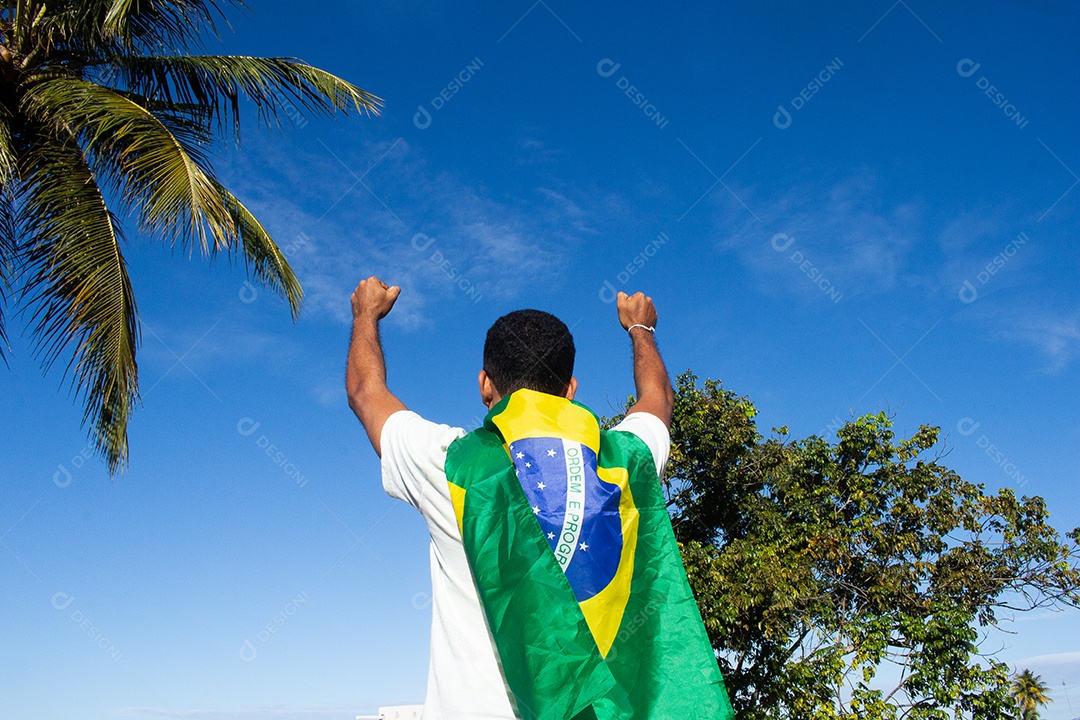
{"x":866,"y":248}
{"x":1052,"y":332}
{"x":1055,"y":659}
{"x":343,"y":214}
{"x":849,"y":236}
{"x":532,"y":151}
{"x":1055,"y":335}
{"x":967,"y":229}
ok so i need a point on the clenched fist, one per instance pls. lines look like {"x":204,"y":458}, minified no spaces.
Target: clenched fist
{"x":374,"y":298}
{"x":636,"y":309}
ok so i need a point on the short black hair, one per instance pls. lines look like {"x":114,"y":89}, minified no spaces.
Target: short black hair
{"x":529,"y":349}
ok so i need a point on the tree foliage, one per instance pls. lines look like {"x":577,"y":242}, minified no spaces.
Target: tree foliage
{"x":104,"y":114}
{"x":853,"y":578}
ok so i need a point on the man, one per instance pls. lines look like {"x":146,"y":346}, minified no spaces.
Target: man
{"x":512,"y":580}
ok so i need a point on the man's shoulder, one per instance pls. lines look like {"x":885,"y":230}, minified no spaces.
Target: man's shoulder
{"x":653,"y":434}
{"x":414,"y":458}
{"x":412,"y":428}
{"x":643,"y":423}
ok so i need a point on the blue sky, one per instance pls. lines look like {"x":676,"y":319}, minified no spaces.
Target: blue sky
{"x":838,"y":209}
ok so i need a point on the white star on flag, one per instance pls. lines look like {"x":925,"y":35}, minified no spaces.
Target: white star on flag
{"x":520,"y":455}
{"x":551,"y":453}
{"x":536,"y":509}
{"x":540,"y":486}
{"x":528,"y":464}
{"x":551,"y":536}
{"x":584,"y":547}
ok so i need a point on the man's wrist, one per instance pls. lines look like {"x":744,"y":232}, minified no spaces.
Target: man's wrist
{"x":366,"y":317}
{"x":640,"y":337}
{"x":650,"y":329}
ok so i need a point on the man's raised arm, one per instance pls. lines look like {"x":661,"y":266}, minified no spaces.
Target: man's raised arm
{"x":638,"y":315}
{"x":365,"y":376}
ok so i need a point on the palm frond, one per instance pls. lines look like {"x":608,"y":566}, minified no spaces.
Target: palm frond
{"x":9,"y":156}
{"x":217,"y":82}
{"x":9,"y":173}
{"x":263,"y":257}
{"x":8,"y":247}
{"x":79,"y":289}
{"x":187,"y":123}
{"x":103,"y":100}
{"x":25,"y":17}
{"x":151,"y":23}
{"x":146,"y":163}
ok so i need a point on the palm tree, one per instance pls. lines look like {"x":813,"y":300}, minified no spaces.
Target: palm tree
{"x":103,"y":114}
{"x":1029,"y":692}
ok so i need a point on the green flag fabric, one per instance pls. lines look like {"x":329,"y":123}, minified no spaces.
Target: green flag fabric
{"x":577,"y":568}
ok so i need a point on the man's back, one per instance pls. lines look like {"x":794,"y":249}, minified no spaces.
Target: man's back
{"x":463,"y":678}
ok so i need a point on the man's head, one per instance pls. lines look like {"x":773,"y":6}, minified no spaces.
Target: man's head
{"x":527,"y":349}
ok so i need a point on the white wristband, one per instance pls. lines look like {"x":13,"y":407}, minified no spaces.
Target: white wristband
{"x":650,"y":329}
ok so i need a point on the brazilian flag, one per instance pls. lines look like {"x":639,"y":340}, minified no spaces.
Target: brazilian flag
{"x":570,"y":543}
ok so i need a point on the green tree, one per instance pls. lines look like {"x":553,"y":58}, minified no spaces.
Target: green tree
{"x":852,"y":578}
{"x":1029,"y":692}
{"x":105,"y":114}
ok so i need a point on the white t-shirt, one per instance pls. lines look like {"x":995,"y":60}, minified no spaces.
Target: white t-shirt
{"x":464,"y":680}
